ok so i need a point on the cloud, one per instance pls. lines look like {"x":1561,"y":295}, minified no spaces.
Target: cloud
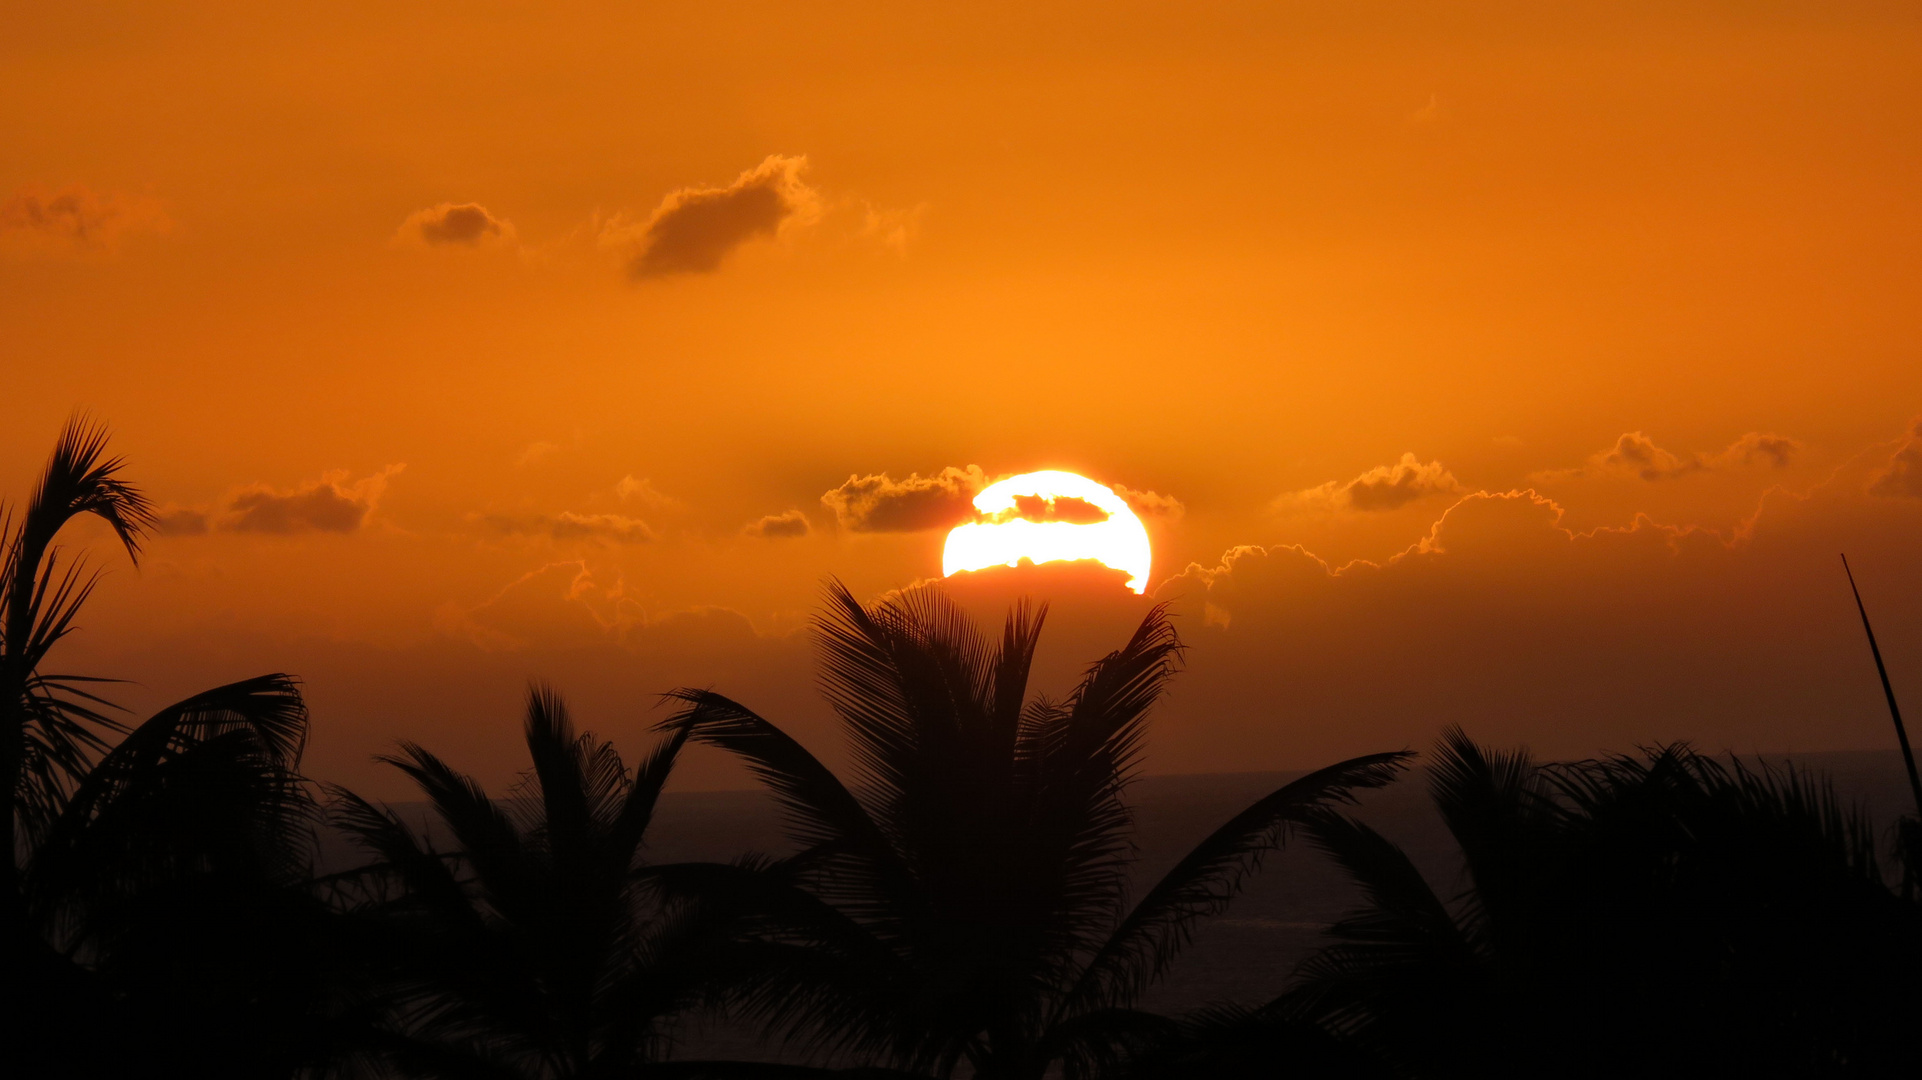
{"x":1149,"y":505}
{"x":782,"y":526}
{"x":1384,"y":487}
{"x":459,"y":224}
{"x":328,"y":504}
{"x":568,"y":525}
{"x":880,"y":503}
{"x":536,"y":451}
{"x":643,"y":491}
{"x":1758,"y":448}
{"x":569,"y":604}
{"x":893,"y":230}
{"x":1902,"y":477}
{"x":1636,"y":455}
{"x":694,"y":229}
{"x":1506,"y":616}
{"x":75,"y":218}
{"x":1065,"y":508}
{"x":182,"y":521}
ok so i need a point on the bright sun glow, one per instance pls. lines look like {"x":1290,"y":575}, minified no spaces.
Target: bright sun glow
{"x":1050,"y":517}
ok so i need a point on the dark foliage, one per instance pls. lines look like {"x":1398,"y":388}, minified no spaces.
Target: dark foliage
{"x":157,"y":916}
{"x":963,"y":902}
{"x":530,"y":948}
{"x":1660,"y":915}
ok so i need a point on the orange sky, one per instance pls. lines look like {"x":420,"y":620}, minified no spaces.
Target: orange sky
{"x":475,"y":342}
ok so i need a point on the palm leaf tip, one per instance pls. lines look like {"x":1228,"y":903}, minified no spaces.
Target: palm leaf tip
{"x":81,"y":479}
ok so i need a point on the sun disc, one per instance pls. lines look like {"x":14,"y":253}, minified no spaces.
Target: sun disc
{"x":1050,"y":516}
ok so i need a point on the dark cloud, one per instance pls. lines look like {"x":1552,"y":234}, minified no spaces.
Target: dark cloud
{"x":325,"y":505}
{"x":468,"y":224}
{"x":1635,"y":454}
{"x":77,"y":217}
{"x":785,"y":526}
{"x":880,"y":503}
{"x":694,"y":229}
{"x":1384,"y":487}
{"x":568,"y":525}
{"x":1757,"y":448}
{"x":1902,"y":477}
{"x":1060,"y":508}
{"x":1148,"y":504}
{"x":1509,"y":617}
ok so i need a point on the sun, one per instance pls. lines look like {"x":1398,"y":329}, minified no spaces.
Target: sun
{"x":1050,"y":517}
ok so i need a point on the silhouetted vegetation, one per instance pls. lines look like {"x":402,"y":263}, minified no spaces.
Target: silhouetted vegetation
{"x":531,"y":948}
{"x":964,"y":901}
{"x":1660,"y":915}
{"x":959,"y":904}
{"x":157,"y":912}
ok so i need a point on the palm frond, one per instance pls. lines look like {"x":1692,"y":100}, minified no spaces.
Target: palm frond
{"x":426,"y":876}
{"x":266,"y":709}
{"x":644,"y":793}
{"x":485,"y":833}
{"x":205,"y":783}
{"x":907,"y":678}
{"x":561,"y":785}
{"x":1210,"y":875}
{"x":1496,"y":805}
{"x":821,"y":811}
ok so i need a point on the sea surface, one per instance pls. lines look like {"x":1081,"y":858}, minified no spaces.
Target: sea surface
{"x":1244,"y":955}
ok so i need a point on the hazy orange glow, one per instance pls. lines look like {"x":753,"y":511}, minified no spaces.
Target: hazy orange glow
{"x":1050,"y":516}
{"x":1512,"y":364}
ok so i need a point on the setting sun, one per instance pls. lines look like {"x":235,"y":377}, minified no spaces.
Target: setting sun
{"x":1050,"y":517}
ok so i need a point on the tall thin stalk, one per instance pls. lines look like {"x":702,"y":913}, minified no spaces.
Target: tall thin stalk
{"x":1901,"y":732}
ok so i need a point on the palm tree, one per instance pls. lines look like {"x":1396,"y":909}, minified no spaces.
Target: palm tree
{"x":51,"y":726}
{"x":1655,"y":915}
{"x":532,"y":949}
{"x":155,"y":891}
{"x":964,"y":900}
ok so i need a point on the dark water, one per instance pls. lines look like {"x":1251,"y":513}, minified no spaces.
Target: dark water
{"x":1246,"y":954}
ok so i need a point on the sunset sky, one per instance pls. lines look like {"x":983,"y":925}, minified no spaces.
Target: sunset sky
{"x":1524,"y":366}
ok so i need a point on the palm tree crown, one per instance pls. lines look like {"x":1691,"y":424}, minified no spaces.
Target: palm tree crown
{"x":156,"y":883}
{"x":1670,"y":914}
{"x":964,"y":900}
{"x":531,"y":949}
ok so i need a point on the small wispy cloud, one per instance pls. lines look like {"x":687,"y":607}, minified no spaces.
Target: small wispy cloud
{"x":76,"y":219}
{"x":1636,"y":455}
{"x":456,"y":225}
{"x":1384,"y":487}
{"x":1901,"y":478}
{"x":641,"y":490}
{"x":695,"y":229}
{"x":334,"y":503}
{"x":879,"y":503}
{"x":568,"y":525}
{"x":789,"y":525}
{"x":329,"y":504}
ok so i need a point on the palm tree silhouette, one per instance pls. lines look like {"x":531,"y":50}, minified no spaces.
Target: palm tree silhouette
{"x":155,"y":888}
{"x":532,"y":949}
{"x":1661,"y":915}
{"x":964,"y":900}
{"x":51,"y":726}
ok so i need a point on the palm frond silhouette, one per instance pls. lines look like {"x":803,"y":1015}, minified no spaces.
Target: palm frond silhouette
{"x":52,"y":725}
{"x":964,"y":900}
{"x":1671,"y":914}
{"x":531,"y":947}
{"x":157,"y":881}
